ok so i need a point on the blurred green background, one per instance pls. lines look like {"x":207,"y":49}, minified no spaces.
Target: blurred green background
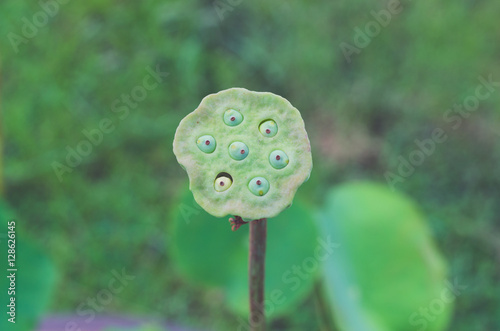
{"x":112,"y":210}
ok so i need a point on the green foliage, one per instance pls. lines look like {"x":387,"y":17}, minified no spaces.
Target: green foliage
{"x":387,"y":268}
{"x":208,"y":253}
{"x":32,"y":284}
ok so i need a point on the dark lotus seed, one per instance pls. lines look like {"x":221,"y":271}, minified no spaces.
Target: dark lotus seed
{"x":259,"y":182}
{"x":233,"y":118}
{"x":221,"y":183}
{"x":278,"y":157}
{"x":207,"y":142}
{"x":268,"y":131}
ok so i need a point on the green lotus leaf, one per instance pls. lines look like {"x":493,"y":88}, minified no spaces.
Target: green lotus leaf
{"x":388,"y":273}
{"x":32,"y":285}
{"x":241,"y":150}
{"x":206,"y":252}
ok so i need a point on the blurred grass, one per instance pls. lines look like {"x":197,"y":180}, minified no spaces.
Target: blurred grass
{"x":111,"y":211}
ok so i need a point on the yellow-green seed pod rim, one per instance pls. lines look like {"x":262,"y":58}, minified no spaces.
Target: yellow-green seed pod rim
{"x":203,"y":168}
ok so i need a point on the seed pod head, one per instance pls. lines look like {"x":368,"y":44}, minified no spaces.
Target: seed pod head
{"x":257,"y":155}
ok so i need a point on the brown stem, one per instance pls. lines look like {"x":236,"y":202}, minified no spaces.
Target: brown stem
{"x":323,"y":309}
{"x":256,"y":270}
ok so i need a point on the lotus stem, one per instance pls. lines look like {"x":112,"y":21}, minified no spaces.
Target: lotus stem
{"x":256,"y":272}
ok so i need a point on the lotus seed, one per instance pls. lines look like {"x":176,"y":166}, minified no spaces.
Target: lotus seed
{"x":206,"y":144}
{"x":238,"y":150}
{"x":278,"y":159}
{"x":258,"y":186}
{"x":268,"y":128}
{"x":222,"y":183}
{"x":232,"y":117}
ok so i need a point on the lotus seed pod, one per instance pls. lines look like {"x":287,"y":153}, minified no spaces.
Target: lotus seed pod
{"x":268,"y":128}
{"x":244,"y":180}
{"x":206,"y":143}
